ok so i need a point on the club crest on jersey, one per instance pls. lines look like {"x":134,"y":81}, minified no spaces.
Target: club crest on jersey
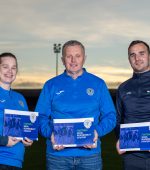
{"x":32,"y":117}
{"x":87,"y":123}
{"x":21,"y":103}
{"x":90,"y":91}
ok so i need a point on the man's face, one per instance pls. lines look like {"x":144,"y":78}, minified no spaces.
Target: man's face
{"x":73,"y":59}
{"x":139,"y":58}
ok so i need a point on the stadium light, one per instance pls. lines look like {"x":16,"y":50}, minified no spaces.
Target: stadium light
{"x":57,"y":49}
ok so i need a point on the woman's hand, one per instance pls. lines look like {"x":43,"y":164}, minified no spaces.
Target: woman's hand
{"x":12,"y":141}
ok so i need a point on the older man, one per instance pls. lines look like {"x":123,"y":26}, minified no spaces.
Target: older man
{"x":75,"y":94}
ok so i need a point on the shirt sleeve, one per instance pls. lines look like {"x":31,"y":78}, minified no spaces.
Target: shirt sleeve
{"x":107,"y":118}
{"x":119,"y":109}
{"x":3,"y":140}
{"x":44,"y":108}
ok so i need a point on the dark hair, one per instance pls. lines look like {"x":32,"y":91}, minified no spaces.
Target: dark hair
{"x":72,"y":43}
{"x":7,"y":54}
{"x":138,"y":42}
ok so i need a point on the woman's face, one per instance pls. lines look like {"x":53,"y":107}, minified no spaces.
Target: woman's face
{"x":8,"y":70}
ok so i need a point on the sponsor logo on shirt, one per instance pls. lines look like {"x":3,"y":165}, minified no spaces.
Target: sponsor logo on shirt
{"x":90,"y":91}
{"x":2,"y":101}
{"x":148,"y":91}
{"x":129,"y":93}
{"x":61,"y":91}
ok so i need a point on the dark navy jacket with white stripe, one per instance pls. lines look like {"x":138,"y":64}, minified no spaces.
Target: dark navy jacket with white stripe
{"x":133,"y":100}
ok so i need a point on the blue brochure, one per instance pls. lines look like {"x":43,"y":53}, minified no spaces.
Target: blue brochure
{"x":135,"y":136}
{"x":20,"y":124}
{"x":73,"y":132}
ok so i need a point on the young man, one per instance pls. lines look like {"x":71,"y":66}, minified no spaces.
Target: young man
{"x":133,"y":101}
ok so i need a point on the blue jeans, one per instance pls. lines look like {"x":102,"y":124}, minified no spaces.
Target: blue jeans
{"x":93,"y":162}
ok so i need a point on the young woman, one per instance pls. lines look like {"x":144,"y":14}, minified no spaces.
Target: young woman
{"x":11,"y":149}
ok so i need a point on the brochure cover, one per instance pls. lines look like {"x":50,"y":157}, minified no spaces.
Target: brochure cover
{"x":73,"y":132}
{"x":20,"y":124}
{"x":135,"y":136}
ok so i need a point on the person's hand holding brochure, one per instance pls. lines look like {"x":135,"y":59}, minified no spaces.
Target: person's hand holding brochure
{"x":135,"y":137}
{"x":22,"y":125}
{"x":12,"y":141}
{"x":74,"y":133}
{"x":27,"y":142}
{"x":89,"y":146}
{"x":94,"y":145}
{"x":118,"y":148}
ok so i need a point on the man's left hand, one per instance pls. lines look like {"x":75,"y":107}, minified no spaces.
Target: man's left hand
{"x":94,"y":140}
{"x":27,"y":142}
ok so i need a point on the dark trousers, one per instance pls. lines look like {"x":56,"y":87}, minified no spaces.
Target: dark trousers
{"x":133,"y":162}
{"x":6,"y":167}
